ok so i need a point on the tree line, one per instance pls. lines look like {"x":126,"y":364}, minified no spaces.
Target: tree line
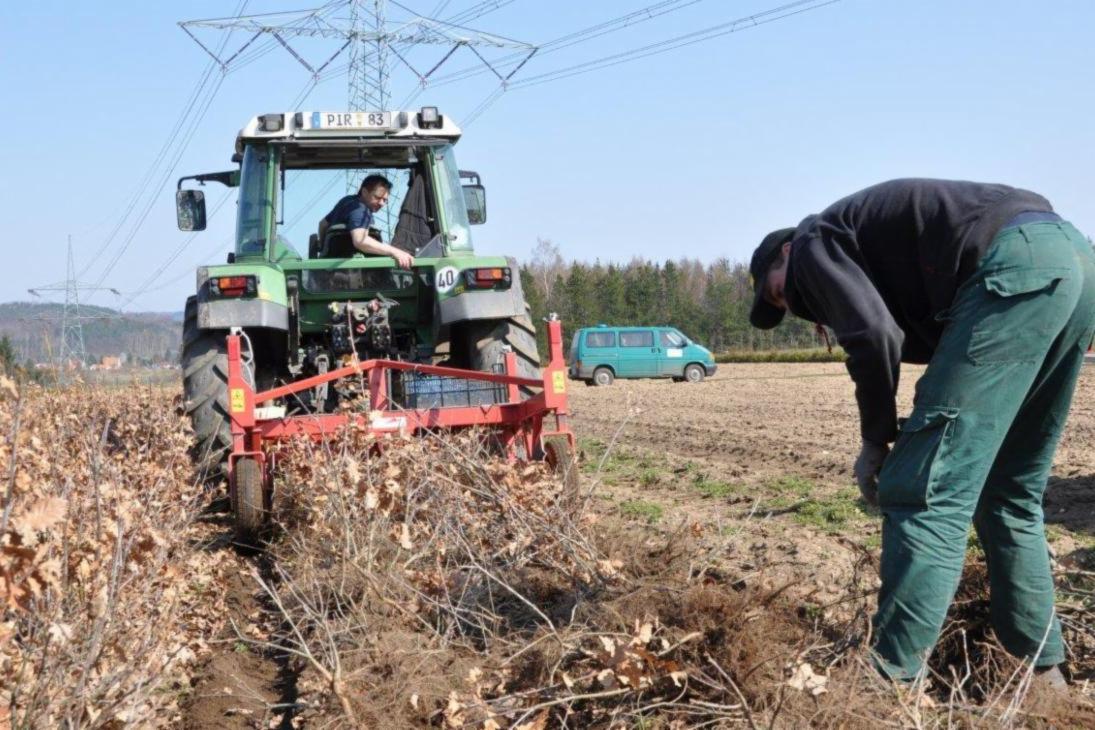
{"x":708,"y":302}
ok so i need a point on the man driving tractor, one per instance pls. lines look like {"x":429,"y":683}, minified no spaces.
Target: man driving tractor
{"x":355,"y":212}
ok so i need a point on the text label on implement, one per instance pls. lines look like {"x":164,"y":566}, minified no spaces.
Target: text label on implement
{"x":352,"y":121}
{"x":238,"y":403}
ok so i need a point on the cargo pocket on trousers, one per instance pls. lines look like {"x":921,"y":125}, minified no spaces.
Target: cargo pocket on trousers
{"x":1013,"y":327}
{"x":910,"y":473}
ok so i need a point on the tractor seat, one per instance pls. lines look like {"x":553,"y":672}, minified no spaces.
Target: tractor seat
{"x":337,"y":243}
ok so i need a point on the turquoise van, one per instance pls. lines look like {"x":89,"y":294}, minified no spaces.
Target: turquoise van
{"x":599,"y":355}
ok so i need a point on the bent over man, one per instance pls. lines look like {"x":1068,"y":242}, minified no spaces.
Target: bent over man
{"x":356,"y":213}
{"x":996,"y":293}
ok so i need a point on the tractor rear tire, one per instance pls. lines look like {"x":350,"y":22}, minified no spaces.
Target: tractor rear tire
{"x":205,"y":393}
{"x":249,"y":500}
{"x":487,"y":340}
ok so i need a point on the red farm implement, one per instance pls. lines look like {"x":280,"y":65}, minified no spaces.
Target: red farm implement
{"x":403,"y":398}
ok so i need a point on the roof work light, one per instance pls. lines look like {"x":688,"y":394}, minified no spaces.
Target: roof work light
{"x":429,"y":118}
{"x":272,"y":122}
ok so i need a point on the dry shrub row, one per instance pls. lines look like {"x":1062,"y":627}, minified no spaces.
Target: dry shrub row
{"x":432,"y":584}
{"x":97,"y":573}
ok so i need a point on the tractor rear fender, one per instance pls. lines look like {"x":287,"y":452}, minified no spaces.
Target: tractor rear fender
{"x":266,"y":308}
{"x":484,"y":304}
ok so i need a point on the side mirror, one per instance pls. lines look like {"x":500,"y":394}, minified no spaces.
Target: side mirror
{"x":190,"y":210}
{"x":475,"y":199}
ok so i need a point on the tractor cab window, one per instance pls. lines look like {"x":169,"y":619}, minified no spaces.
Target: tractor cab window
{"x":311,"y":194}
{"x":315,"y":178}
{"x":451,"y":199}
{"x":254,"y":220}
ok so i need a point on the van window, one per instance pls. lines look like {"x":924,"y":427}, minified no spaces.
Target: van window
{"x":640,"y":338}
{"x":672,"y":339}
{"x":601,"y":339}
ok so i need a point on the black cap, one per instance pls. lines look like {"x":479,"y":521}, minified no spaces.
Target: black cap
{"x":763,"y":315}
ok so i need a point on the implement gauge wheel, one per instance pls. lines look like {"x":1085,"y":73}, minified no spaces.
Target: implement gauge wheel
{"x":560,"y":455}
{"x":249,"y":500}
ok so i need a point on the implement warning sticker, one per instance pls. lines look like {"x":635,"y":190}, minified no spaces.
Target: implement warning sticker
{"x":559,"y":381}
{"x":237,"y":399}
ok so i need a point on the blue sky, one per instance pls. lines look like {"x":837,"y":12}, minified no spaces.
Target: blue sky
{"x":696,"y":152}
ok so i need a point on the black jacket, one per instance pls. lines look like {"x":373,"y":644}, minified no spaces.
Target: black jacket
{"x":879,"y":265}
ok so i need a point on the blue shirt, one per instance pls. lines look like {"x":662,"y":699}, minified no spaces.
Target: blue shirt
{"x":350,"y":212}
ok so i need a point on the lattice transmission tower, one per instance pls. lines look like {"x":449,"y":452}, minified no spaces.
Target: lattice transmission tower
{"x":371,"y":41}
{"x":369,"y":75}
{"x":72,"y":328}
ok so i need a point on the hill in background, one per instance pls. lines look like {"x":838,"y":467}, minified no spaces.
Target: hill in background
{"x":34,"y":329}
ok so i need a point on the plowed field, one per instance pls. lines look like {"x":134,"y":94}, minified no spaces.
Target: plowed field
{"x":752,"y":424}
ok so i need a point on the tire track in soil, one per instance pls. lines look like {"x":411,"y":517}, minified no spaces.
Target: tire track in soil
{"x":242,"y":686}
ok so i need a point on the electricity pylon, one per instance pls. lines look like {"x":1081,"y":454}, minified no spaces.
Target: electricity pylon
{"x":369,"y":36}
{"x":72,"y":328}
{"x":372,"y":41}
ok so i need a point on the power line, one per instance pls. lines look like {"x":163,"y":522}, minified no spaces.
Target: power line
{"x":705,"y":34}
{"x":688,"y":39}
{"x":146,"y":286}
{"x":161,"y":184}
{"x":645,"y":14}
{"x":142,"y":186}
{"x":172,"y":136}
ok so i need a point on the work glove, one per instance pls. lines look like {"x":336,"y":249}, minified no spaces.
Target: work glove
{"x":866,"y":469}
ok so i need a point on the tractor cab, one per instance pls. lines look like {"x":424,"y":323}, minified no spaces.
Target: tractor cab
{"x":293,"y":169}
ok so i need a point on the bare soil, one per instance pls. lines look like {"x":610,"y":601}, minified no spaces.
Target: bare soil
{"x":241,"y":682}
{"x":754,"y":422}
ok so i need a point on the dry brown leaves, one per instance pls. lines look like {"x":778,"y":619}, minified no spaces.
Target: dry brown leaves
{"x":99,"y":573}
{"x":427,"y":583}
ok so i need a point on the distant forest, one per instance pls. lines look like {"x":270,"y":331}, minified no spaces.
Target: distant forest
{"x":34,"y":332}
{"x":708,"y":302}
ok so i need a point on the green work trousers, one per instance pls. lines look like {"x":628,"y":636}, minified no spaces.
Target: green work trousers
{"x":978,"y":446}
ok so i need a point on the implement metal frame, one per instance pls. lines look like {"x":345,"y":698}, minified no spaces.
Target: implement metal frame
{"x":518,"y":424}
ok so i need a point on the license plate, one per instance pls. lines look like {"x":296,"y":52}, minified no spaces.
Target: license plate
{"x":352,"y":120}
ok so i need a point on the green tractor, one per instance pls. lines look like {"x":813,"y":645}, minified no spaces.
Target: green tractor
{"x":307,"y":314}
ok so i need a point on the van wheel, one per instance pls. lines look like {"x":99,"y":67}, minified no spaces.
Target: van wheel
{"x":603,"y":376}
{"x":694,"y":373}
